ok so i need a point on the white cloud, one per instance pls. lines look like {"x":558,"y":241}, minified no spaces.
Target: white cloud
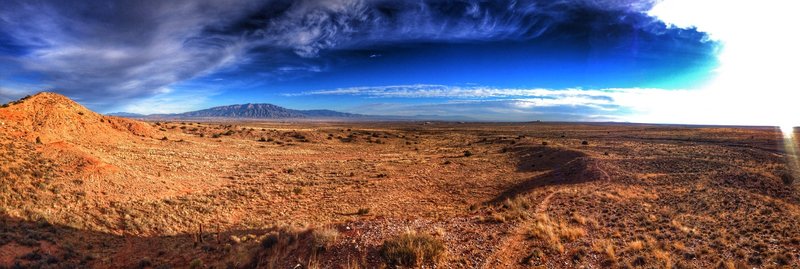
{"x":756,"y":81}
{"x":15,"y":91}
{"x":622,"y":104}
{"x":486,"y":110}
{"x":171,"y":101}
{"x":114,"y":52}
{"x":445,"y":91}
{"x":754,"y":85}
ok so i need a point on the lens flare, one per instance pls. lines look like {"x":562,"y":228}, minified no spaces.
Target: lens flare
{"x":791,"y":149}
{"x":787,"y":130}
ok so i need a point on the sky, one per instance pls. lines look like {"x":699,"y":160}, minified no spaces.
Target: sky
{"x":670,"y":61}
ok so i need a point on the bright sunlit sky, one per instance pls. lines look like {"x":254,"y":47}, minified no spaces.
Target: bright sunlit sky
{"x":671,"y":61}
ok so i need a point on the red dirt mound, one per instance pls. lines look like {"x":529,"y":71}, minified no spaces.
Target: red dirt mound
{"x":53,"y":117}
{"x":544,"y":158}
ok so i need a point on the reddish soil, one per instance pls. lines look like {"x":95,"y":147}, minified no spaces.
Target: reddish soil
{"x":106,"y":192}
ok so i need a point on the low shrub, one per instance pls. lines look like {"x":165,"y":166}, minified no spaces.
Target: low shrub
{"x":324,"y":238}
{"x":362,"y":211}
{"x":412,"y":249}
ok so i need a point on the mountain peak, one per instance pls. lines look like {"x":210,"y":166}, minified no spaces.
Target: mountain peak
{"x":262,"y":111}
{"x":49,"y":98}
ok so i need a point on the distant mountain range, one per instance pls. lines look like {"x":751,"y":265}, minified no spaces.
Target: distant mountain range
{"x":126,"y":115}
{"x":248,"y":111}
{"x":270,"y":111}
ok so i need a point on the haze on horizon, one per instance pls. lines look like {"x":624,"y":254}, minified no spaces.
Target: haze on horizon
{"x":671,"y":61}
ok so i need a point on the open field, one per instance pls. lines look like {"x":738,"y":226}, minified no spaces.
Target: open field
{"x":372,"y":195}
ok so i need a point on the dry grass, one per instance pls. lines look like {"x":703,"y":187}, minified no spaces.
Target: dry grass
{"x":605,"y":247}
{"x":412,"y":249}
{"x":637,"y":245}
{"x":683,"y":228}
{"x":554,"y":233}
{"x":663,"y":257}
{"x":577,"y":218}
{"x":323,"y":238}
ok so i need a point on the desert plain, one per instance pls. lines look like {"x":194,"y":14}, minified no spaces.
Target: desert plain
{"x":83,"y":190}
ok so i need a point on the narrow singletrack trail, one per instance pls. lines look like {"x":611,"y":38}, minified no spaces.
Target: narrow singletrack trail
{"x":514,"y":245}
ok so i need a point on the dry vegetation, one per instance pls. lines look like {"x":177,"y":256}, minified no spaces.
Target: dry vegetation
{"x":371,"y":195}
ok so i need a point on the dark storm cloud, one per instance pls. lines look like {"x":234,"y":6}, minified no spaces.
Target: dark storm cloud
{"x":104,"y":52}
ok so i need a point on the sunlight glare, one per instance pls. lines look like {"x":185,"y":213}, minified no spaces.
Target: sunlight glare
{"x":757,"y":61}
{"x":787,"y":130}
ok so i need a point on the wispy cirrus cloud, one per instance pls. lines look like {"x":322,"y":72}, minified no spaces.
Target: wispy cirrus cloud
{"x":171,"y":101}
{"x":446,"y":91}
{"x":9,"y":93}
{"x":490,"y":103}
{"x":488,"y":110}
{"x":530,"y":97}
{"x":110,"y":52}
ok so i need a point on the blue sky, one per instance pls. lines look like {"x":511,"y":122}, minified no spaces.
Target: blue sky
{"x":568,"y":60}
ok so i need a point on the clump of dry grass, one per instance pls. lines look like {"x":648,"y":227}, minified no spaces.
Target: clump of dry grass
{"x":323,"y":238}
{"x":297,"y":190}
{"x":363,"y":211}
{"x":554,"y":233}
{"x":412,"y":249}
{"x":663,"y":257}
{"x":577,"y":218}
{"x":196,"y":263}
{"x":281,"y":243}
{"x":683,"y":228}
{"x":636,"y":245}
{"x":270,"y":240}
{"x":518,"y":208}
{"x":605,"y":247}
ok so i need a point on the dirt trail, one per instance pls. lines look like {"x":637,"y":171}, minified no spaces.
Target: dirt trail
{"x":514,"y":244}
{"x":542,"y":207}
